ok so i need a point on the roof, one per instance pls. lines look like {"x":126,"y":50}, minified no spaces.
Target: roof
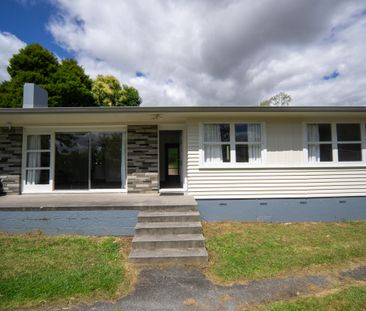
{"x":72,"y":116}
{"x":159,"y":109}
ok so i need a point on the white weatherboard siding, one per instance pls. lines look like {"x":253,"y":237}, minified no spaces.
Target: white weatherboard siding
{"x":283,"y":174}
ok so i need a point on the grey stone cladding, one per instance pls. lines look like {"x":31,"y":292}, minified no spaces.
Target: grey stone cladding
{"x":10,"y":159}
{"x":142,"y":158}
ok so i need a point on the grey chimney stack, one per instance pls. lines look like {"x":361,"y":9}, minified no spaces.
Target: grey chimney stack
{"x":34,"y":96}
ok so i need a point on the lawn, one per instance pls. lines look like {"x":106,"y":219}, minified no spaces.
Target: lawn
{"x":247,"y":251}
{"x":39,"y":270}
{"x":351,"y":299}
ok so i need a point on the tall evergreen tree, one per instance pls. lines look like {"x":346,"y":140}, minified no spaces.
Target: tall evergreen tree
{"x":66,"y":82}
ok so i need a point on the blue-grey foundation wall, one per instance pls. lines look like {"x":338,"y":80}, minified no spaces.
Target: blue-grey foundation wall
{"x":70,"y":222}
{"x":284,"y":210}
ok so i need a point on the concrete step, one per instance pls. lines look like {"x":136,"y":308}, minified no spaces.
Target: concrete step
{"x":184,"y":255}
{"x":169,"y":208}
{"x":153,"y":216}
{"x":168,"y":241}
{"x":168,"y":228}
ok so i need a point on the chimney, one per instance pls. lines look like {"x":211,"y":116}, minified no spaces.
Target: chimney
{"x":34,"y":96}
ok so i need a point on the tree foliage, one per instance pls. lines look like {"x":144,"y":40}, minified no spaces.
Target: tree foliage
{"x":107,"y":91}
{"x":280,"y":99}
{"x":70,"y":86}
{"x":66,"y":82}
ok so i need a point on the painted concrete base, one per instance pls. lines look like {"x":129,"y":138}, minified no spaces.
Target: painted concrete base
{"x":284,"y":210}
{"x":70,"y":222}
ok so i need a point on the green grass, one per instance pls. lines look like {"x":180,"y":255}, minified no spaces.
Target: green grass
{"x":245,"y":251}
{"x":38,"y":270}
{"x":351,"y":299}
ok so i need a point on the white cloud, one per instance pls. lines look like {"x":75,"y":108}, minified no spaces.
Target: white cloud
{"x":231,"y":52}
{"x":9,"y":45}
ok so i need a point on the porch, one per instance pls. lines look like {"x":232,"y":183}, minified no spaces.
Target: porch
{"x":93,"y":201}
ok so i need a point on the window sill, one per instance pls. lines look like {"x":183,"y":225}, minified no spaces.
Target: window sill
{"x":268,"y":167}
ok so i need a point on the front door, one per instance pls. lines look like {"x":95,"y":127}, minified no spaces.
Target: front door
{"x":170,"y":159}
{"x":172,"y":169}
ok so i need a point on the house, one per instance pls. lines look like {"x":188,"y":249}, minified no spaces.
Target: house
{"x":221,"y":153}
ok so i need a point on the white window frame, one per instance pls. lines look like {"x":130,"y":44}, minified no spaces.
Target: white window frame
{"x":334,"y":143}
{"x":34,"y":187}
{"x":52,"y":132}
{"x":232,"y":143}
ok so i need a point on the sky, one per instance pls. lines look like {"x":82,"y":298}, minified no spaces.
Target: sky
{"x":203,"y":52}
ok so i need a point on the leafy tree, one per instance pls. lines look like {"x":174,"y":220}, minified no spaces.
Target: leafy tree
{"x":32,"y":64}
{"x":66,"y":82}
{"x":70,"y":86}
{"x":280,"y":99}
{"x":34,"y":60}
{"x":107,"y":91}
{"x":129,"y":96}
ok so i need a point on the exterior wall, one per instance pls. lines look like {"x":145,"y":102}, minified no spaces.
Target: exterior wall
{"x":142,"y":158}
{"x":121,"y":222}
{"x":283,"y":175}
{"x":284,"y":210}
{"x":10,"y":159}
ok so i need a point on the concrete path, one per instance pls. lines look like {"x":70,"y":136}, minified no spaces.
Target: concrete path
{"x":188,"y":289}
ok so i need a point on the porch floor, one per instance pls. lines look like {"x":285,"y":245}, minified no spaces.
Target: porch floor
{"x":91,"y":201}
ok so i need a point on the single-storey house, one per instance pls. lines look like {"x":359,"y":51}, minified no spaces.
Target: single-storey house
{"x":221,"y":153}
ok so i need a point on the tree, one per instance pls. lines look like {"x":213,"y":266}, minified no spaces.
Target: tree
{"x":280,"y":99}
{"x":70,"y":86}
{"x":66,"y":82}
{"x":129,"y":96}
{"x":32,"y":64}
{"x":107,"y":91}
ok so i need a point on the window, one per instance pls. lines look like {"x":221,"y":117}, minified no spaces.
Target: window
{"x":217,"y":143}
{"x":37,"y":165}
{"x":320,"y":143}
{"x":88,"y":160}
{"x":349,"y":142}
{"x":343,"y":138}
{"x":66,"y":160}
{"x":232,"y":143}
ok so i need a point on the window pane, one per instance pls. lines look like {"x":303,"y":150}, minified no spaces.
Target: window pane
{"x":241,"y":132}
{"x":325,"y":132}
{"x":106,"y":153}
{"x":217,"y":132}
{"x":326,"y":154}
{"x":37,"y":177}
{"x":38,"y":159}
{"x":254,"y":133}
{"x":72,"y":161}
{"x":348,"y":132}
{"x":217,"y":153}
{"x":349,"y":152}
{"x":242,"y":154}
{"x":37,"y":142}
{"x":319,"y":132}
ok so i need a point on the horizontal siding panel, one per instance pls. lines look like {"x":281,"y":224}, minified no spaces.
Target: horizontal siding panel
{"x":269,"y":182}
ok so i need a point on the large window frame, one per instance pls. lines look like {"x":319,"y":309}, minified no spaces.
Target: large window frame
{"x":45,"y":188}
{"x":335,"y":142}
{"x":232,"y":143}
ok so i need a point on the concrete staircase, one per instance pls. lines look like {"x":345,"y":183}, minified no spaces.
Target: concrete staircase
{"x":169,"y":234}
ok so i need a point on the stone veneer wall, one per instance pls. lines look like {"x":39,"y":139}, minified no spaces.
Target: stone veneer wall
{"x":10,"y":159}
{"x":142,"y":158}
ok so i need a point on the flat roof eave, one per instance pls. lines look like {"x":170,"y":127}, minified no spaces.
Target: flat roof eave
{"x":166,"y":109}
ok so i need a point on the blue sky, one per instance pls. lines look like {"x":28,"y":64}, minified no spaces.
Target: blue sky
{"x":236,"y":52}
{"x":27,"y":20}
